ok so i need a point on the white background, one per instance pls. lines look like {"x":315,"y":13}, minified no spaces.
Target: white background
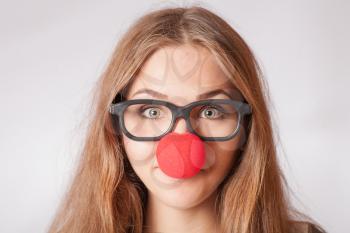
{"x":52,"y":53}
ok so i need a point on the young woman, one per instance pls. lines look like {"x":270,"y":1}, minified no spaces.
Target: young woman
{"x":180,"y":138}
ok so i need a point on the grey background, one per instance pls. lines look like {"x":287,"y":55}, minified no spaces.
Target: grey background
{"x":52,"y":53}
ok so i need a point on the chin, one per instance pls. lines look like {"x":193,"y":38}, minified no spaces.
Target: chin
{"x":179,"y":200}
{"x":182,"y":195}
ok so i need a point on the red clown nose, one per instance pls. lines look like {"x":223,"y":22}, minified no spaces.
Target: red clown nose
{"x":180,"y":155}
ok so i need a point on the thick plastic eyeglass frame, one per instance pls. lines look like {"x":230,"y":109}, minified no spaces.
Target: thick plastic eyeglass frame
{"x":118,"y":109}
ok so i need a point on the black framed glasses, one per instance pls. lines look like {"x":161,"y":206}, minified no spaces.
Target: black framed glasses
{"x":150,"y":119}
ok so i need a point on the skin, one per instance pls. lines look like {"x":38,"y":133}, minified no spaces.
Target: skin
{"x":181,"y":205}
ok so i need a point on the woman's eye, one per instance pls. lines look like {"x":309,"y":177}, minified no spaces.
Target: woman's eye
{"x":150,"y":112}
{"x":211,"y":112}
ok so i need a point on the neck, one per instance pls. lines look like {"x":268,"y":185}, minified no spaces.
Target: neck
{"x":201,"y":218}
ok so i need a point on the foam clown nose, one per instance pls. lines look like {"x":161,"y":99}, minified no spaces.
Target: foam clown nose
{"x":180,"y":155}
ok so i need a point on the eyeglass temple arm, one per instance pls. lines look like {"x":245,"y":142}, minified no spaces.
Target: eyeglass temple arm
{"x":246,"y":108}
{"x":113,"y":109}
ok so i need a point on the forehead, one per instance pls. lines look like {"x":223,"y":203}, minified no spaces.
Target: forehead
{"x":181,"y":72}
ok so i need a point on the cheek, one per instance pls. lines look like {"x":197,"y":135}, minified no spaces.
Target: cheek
{"x":221,"y":157}
{"x":139,"y":153}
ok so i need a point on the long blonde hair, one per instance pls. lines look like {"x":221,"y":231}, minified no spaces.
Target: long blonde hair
{"x":106,"y":196}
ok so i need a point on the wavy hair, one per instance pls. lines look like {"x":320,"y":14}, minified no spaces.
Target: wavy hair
{"x":106,"y":196}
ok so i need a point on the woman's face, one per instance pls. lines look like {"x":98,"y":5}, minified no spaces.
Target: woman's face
{"x":180,"y":74}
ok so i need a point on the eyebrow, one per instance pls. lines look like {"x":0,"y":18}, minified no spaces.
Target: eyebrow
{"x":159,"y":95}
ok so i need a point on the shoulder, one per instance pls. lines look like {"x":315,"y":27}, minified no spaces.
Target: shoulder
{"x":305,"y":227}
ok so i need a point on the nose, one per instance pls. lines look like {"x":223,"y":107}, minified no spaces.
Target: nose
{"x":180,"y":126}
